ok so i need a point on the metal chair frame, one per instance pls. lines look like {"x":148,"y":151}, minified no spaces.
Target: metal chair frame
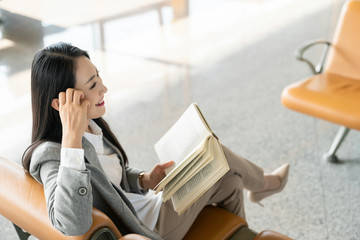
{"x":329,"y":156}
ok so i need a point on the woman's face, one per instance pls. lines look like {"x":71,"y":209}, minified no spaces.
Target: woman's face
{"x":89,"y":81}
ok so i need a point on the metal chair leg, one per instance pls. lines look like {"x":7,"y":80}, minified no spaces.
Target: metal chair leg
{"x":22,"y":235}
{"x":339,"y":138}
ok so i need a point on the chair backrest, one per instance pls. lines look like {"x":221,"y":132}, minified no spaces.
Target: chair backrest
{"x":23,"y":203}
{"x":344,"y":55}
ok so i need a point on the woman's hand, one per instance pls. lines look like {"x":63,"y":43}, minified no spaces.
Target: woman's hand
{"x":73,"y":114}
{"x":151,"y":180}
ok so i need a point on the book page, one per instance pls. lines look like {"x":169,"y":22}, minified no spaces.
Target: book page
{"x":192,"y":157}
{"x":202,"y":181}
{"x":168,"y":189}
{"x":188,"y":172}
{"x":203,"y":119}
{"x":179,"y":141}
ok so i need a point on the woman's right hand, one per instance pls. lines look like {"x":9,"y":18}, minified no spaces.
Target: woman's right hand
{"x":73,"y":114}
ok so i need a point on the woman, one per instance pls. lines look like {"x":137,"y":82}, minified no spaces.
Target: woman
{"x":82,"y":165}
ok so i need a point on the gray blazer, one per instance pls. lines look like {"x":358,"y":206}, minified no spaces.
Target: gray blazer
{"x":71,"y":194}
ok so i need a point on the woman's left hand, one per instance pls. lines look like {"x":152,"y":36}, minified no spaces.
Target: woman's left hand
{"x":151,"y":180}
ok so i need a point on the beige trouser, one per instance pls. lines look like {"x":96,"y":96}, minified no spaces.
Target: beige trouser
{"x":226,"y":193}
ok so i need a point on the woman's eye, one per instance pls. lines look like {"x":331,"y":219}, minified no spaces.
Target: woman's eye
{"x":93,"y":85}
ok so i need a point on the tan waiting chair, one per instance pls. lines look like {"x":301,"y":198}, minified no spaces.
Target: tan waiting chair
{"x":333,"y":92}
{"x":23,"y":203}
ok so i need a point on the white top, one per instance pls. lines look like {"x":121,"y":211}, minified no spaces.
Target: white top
{"x":146,"y":206}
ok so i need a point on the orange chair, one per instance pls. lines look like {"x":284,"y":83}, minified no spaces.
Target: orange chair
{"x":23,"y":203}
{"x":333,"y":92}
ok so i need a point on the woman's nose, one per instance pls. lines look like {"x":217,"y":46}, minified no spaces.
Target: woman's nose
{"x":104,"y":89}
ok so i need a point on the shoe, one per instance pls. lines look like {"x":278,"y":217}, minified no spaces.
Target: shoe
{"x":283,"y":173}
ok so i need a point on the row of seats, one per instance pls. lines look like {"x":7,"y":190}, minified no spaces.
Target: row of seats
{"x":23,"y":203}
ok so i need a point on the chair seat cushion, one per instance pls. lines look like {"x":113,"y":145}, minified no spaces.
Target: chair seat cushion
{"x":329,"y":96}
{"x":214,"y":223}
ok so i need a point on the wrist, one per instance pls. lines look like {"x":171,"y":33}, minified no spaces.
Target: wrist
{"x":143,"y":180}
{"x":71,"y":141}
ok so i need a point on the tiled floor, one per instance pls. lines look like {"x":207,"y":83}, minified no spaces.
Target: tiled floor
{"x":231,"y":57}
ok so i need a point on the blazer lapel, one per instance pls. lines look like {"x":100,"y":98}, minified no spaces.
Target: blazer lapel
{"x":124,"y":182}
{"x":90,"y":154}
{"x":91,"y":158}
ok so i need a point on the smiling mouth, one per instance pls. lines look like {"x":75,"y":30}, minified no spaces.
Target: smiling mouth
{"x":101,"y":103}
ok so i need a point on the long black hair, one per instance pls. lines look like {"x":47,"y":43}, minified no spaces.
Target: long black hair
{"x":53,"y":71}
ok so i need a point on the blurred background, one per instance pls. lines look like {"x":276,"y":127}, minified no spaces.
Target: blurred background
{"x":232,"y":57}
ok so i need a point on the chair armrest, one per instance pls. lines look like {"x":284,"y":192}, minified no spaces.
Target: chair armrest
{"x":102,"y":225}
{"x":300,"y":52}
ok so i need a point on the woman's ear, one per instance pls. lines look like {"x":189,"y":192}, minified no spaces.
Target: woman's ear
{"x":55,"y":104}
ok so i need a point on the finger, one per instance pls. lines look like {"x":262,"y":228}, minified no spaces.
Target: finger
{"x":69,"y":95}
{"x":167,"y":164}
{"x":171,"y":162}
{"x":62,"y":98}
{"x":78,"y":95}
{"x":85,"y":104}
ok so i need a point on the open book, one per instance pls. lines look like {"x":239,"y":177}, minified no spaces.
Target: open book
{"x":199,"y":159}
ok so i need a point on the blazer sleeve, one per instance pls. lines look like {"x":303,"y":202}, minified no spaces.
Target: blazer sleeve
{"x":68,"y":194}
{"x":132,"y":176}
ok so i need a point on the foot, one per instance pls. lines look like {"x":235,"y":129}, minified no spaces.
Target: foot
{"x":274,"y":183}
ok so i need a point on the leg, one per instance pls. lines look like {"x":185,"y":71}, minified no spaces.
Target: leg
{"x":226,"y":193}
{"x":252,"y":176}
{"x":259,"y":185}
